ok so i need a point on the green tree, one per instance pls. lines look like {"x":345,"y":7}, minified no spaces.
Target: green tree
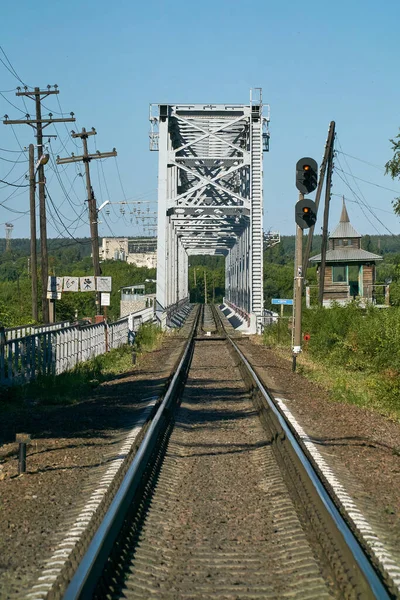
{"x":393,"y":168}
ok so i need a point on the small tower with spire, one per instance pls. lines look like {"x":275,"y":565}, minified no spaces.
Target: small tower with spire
{"x":350,"y":270}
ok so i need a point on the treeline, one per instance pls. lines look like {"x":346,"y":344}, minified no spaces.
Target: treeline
{"x":65,"y":258}
{"x":206,"y":274}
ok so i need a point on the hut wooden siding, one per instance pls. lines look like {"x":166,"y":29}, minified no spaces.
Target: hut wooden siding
{"x":368,"y":280}
{"x":334,"y":291}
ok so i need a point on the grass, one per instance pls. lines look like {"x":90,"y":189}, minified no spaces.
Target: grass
{"x":353,"y":353}
{"x":366,"y":389}
{"x":70,"y":387}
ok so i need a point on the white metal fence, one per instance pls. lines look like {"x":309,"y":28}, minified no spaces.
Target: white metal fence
{"x":13,"y":333}
{"x":23,"y":359}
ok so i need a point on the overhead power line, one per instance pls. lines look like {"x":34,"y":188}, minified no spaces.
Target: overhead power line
{"x":360,"y":197}
{"x":11,"y":69}
{"x":370,"y":182}
{"x":363,"y":206}
{"x":13,"y":184}
{"x":362,"y":160}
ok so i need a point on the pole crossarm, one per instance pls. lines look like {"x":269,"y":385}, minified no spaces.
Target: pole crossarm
{"x":84,"y":158}
{"x":36,"y":121}
{"x":37,"y":92}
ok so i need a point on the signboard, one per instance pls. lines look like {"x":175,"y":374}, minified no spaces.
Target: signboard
{"x":53,"y":295}
{"x":87,"y":284}
{"x":103,"y":284}
{"x":71,"y":284}
{"x":54,"y":284}
{"x":282,"y":301}
{"x":105,"y":298}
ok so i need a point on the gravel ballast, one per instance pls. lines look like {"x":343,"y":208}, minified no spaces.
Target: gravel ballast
{"x":72,"y":447}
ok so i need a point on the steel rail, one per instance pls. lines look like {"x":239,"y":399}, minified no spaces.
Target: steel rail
{"x":85,"y":577}
{"x":371,"y":576}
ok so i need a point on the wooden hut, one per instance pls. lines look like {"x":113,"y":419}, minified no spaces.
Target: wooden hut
{"x":349,"y":270}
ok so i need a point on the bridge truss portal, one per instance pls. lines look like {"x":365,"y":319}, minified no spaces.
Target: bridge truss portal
{"x":210,"y":197}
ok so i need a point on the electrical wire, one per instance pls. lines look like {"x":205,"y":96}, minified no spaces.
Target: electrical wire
{"x":14,"y":161}
{"x":119,"y":177}
{"x":359,"y":202}
{"x":16,"y":137}
{"x":390,"y":212}
{"x":12,"y":104}
{"x":364,"y":202}
{"x":371,"y":182}
{"x":15,"y":151}
{"x":12,"y":71}
{"x":16,"y":218}
{"x":361,"y":160}
{"x":13,"y":184}
{"x":13,"y":210}
{"x":60,"y":220}
{"x":66,"y":193}
{"x":12,"y":195}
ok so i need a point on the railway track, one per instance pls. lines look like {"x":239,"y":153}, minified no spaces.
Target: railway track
{"x":220,"y":501}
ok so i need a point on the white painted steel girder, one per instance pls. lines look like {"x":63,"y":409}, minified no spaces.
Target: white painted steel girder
{"x":210,"y":197}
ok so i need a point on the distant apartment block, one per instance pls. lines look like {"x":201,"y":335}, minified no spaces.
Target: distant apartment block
{"x":141,"y":252}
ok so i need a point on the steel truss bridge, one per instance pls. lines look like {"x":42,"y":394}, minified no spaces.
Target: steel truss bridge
{"x":210,"y":198}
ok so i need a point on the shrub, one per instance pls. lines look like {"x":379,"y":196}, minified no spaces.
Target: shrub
{"x":147,"y":337}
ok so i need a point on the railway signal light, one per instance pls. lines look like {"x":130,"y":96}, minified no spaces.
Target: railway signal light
{"x":305,"y":213}
{"x":306,"y":175}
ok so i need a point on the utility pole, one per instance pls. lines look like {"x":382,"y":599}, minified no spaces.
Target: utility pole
{"x":329,"y":142}
{"x":325,"y":223}
{"x":205,"y":286}
{"x":39,"y":124}
{"x":32,"y":206}
{"x":91,"y":200}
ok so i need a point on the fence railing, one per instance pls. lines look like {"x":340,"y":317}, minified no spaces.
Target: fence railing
{"x":23,"y":359}
{"x":13,"y":333}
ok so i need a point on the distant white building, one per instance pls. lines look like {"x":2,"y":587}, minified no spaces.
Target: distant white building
{"x":134,"y":299}
{"x":141,"y":252}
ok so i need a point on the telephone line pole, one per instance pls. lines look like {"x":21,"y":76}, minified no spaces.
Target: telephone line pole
{"x":86,"y":157}
{"x":329,"y":142}
{"x":324,"y":242}
{"x":39,"y":124}
{"x":32,"y":206}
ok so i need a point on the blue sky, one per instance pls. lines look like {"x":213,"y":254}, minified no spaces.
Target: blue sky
{"x":316,"y":62}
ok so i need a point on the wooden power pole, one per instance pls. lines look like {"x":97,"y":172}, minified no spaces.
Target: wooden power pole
{"x":91,"y":200}
{"x":32,"y":206}
{"x":324,"y":242}
{"x":39,"y":124}
{"x":329,"y":142}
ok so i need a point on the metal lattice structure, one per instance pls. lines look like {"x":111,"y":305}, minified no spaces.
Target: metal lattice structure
{"x":210,"y":196}
{"x":9,"y":229}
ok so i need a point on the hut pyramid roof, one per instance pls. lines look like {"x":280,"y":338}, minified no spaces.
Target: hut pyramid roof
{"x":344,"y":229}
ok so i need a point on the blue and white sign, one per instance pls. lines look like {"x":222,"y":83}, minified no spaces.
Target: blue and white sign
{"x":287,"y":301}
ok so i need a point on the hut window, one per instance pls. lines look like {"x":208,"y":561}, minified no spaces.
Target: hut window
{"x":339,"y":274}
